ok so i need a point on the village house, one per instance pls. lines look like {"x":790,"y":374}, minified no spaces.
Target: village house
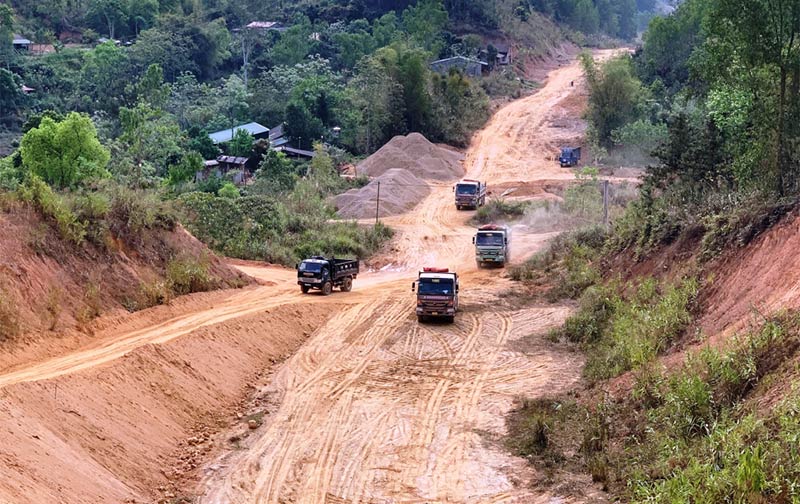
{"x":470,"y":67}
{"x":20,"y":43}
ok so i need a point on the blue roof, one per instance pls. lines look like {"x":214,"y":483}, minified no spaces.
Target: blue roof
{"x":226,"y":135}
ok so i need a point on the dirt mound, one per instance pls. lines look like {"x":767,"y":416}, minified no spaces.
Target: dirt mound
{"x":415,"y":154}
{"x":400,"y":192}
{"x":132,"y":430}
{"x":55,"y":290}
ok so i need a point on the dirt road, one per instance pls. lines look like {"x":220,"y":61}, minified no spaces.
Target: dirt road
{"x":377,"y":408}
{"x":372,"y":407}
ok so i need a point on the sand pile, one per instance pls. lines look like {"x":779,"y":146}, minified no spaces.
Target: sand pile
{"x":415,"y":154}
{"x":400,"y":192}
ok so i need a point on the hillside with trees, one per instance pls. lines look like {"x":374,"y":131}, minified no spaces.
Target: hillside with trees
{"x":686,"y":306}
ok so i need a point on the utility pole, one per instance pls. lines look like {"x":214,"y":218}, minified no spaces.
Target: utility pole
{"x":378,"y":203}
{"x":605,"y":203}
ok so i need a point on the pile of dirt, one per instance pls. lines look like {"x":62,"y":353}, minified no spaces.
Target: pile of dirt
{"x":400,"y":192}
{"x":415,"y":154}
{"x":402,"y":167}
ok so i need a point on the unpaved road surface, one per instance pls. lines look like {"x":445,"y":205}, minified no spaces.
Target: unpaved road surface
{"x":377,"y":408}
{"x":371,"y":407}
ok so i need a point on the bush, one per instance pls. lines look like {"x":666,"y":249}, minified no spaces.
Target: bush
{"x":133,"y":211}
{"x":9,"y":317}
{"x":187,"y":275}
{"x":36,"y":192}
{"x":499,"y":210}
{"x":228,"y":190}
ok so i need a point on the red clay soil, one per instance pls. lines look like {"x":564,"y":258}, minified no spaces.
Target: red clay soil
{"x":39,"y":270}
{"x":764,"y":276}
{"x":109,"y":434}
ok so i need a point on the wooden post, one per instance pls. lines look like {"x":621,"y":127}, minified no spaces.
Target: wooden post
{"x":605,"y":203}
{"x":378,"y":203}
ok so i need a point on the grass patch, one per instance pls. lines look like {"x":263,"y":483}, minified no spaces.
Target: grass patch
{"x":567,"y":266}
{"x":499,"y":210}
{"x":623,"y":332}
{"x":188,"y":275}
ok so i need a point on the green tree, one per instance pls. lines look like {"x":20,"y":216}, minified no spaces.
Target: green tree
{"x":142,"y":14}
{"x":11,"y":95}
{"x":6,"y":35}
{"x":241,"y":144}
{"x":615,"y":96}
{"x":108,"y":15}
{"x":64,"y":153}
{"x":228,"y":190}
{"x":425,"y":22}
{"x":276,"y":172}
{"x":185,"y":169}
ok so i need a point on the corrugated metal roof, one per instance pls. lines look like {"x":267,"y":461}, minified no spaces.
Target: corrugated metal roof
{"x":19,"y":40}
{"x":235,"y":160}
{"x":459,"y":58}
{"x":226,"y":135}
{"x":298,"y":152}
{"x":278,"y":142}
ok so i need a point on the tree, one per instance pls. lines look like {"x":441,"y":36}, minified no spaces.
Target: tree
{"x":302,"y":125}
{"x":11,"y":95}
{"x":109,"y":14}
{"x":377,"y":100}
{"x":762,"y":35}
{"x":64,"y":153}
{"x":143,"y":14}
{"x":425,"y":23}
{"x":276,"y":172}
{"x":6,"y":35}
{"x":228,"y":190}
{"x":103,"y":78}
{"x":151,"y":88}
{"x":241,"y":144}
{"x":246,"y":41}
{"x":185,"y":169}
{"x":615,"y":95}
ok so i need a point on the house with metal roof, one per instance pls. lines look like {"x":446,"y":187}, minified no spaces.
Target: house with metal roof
{"x":21,"y":43}
{"x":469,"y":66}
{"x":267,"y":26}
{"x":226,"y":135}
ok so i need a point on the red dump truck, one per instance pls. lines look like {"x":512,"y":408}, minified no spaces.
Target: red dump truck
{"x":437,"y":294}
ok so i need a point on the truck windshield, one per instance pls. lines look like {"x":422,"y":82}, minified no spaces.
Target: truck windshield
{"x":495,"y":239}
{"x":436,"y":286}
{"x":566,"y":152}
{"x":310,"y":266}
{"x":466,"y":189}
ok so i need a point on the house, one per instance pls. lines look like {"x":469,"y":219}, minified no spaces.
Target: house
{"x":39,"y":49}
{"x":103,"y":40}
{"x":267,"y":26}
{"x":226,"y":135}
{"x":21,"y":43}
{"x":470,"y":67}
{"x":297,"y":153}
{"x":27,"y":90}
{"x":231,"y":166}
{"x":277,"y":136}
{"x":503,"y":56}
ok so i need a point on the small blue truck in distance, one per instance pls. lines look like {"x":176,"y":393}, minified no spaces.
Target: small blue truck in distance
{"x":569,"y":156}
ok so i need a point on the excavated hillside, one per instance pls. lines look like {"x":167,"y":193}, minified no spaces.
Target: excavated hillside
{"x":55,"y":294}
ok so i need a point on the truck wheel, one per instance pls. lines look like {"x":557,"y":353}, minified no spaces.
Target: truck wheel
{"x":451,"y":319}
{"x":479,"y":264}
{"x":347,"y":285}
{"x":420,"y":318}
{"x":458,"y":207}
{"x":327,"y":288}
{"x":305,"y":289}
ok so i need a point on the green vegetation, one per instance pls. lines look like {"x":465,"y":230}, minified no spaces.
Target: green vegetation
{"x":627,"y":331}
{"x":692,"y":434}
{"x":499,"y":210}
{"x":9,"y":317}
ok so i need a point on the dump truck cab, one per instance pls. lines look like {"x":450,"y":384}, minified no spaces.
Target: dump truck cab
{"x":492,"y":245}
{"x":570,"y":156}
{"x":322,"y":273}
{"x":470,"y":193}
{"x":437,"y":294}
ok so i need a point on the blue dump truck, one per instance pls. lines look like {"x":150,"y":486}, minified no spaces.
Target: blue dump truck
{"x":325,"y":274}
{"x":492,"y":245}
{"x":569,"y":156}
{"x":437,"y":294}
{"x":470,"y":193}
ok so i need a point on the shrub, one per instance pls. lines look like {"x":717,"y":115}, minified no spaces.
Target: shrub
{"x":187,"y":275}
{"x":9,"y":317}
{"x":132,"y":211}
{"x":499,"y":210}
{"x":228,"y":190}
{"x":36,"y":192}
